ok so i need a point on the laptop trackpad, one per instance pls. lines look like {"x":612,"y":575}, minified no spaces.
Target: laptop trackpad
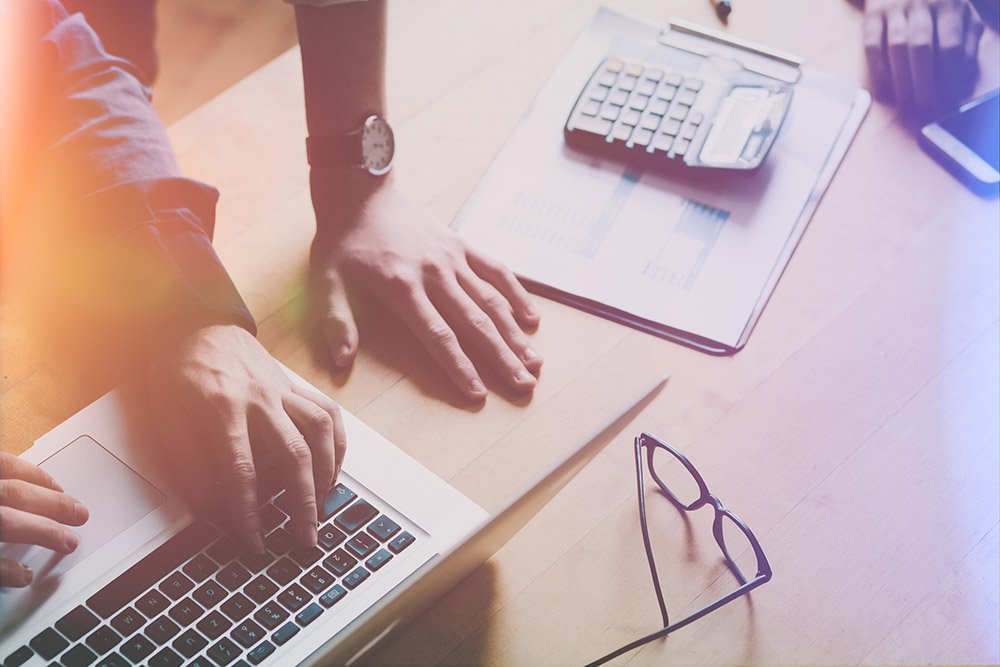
{"x":115,"y":494}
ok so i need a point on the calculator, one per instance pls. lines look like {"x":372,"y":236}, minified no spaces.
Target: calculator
{"x":652,"y":118}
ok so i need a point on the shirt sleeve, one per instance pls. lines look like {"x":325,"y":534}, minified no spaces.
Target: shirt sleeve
{"x":133,"y":235}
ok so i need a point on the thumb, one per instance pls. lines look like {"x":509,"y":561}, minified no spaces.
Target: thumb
{"x":338,"y":322}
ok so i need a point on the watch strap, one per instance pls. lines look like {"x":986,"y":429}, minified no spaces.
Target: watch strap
{"x":335,"y":151}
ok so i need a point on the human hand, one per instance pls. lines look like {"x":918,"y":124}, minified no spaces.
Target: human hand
{"x":455,"y":300}
{"x":34,"y":510}
{"x":922,"y":53}
{"x":224,"y":409}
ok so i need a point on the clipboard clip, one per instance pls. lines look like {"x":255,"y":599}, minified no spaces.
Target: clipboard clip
{"x":748,"y":55}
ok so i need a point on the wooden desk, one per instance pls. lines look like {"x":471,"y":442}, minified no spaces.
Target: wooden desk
{"x":857,"y":433}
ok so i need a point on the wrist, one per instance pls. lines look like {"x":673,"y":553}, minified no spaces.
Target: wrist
{"x":340,"y":195}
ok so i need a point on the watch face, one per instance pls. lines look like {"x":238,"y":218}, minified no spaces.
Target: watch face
{"x":377,"y":145}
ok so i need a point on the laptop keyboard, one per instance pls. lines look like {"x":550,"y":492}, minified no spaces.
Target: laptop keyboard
{"x":199,"y":600}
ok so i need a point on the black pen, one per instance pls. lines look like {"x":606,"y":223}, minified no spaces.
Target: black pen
{"x":723,"y":8}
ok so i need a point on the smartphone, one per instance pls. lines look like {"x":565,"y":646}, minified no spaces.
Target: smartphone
{"x":967,"y":143}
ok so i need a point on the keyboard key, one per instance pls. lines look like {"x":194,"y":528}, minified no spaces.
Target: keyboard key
{"x":103,"y":640}
{"x":597,"y":126}
{"x":654,"y":74}
{"x":330,"y":537}
{"x":270,"y":615}
{"x":137,"y":648}
{"x":696,"y":118}
{"x":128,"y":622}
{"x":355,"y":577}
{"x":609,"y":112}
{"x":339,"y":562}
{"x":153,"y":567}
{"x":641,"y":137}
{"x":617,"y":98}
{"x":224,"y":651}
{"x":361,"y":545}
{"x":658,"y":107}
{"x":166,"y":658}
{"x":18,"y":657}
{"x":201,"y":661}
{"x":162,"y":630}
{"x":607,"y":79}
{"x":338,"y":498}
{"x":186,"y":612}
{"x":271,"y":517}
{"x":681,"y":146}
{"x":223,"y":551}
{"x":693,"y":84}
{"x":259,"y":653}
{"x":631,"y":118}
{"x":666,"y":92}
{"x":688,"y":132}
{"x":673,"y":79}
{"x":78,"y":656}
{"x":380,"y":558}
{"x":293,"y":598}
{"x":662,"y":143}
{"x":309,"y":614}
{"x":646,"y":87}
{"x":306,"y":556}
{"x":650,"y":122}
{"x":77,"y":623}
{"x":256,"y":562}
{"x":621,"y":132}
{"x":638,"y":102}
{"x":284,"y":571}
{"x":48,"y":643}
{"x":401,"y":541}
{"x":333,"y":596}
{"x":278,"y":542}
{"x":152,"y":604}
{"x":260,"y":589}
{"x":671,"y":127}
{"x":627,"y":83}
{"x":200,"y":568}
{"x":679,"y":112}
{"x":210,"y":594}
{"x":113,"y":660}
{"x":189,"y":643}
{"x":247,"y":633}
{"x":686,"y":97}
{"x":317,"y":579}
{"x":599,"y":93}
{"x":176,"y":586}
{"x":237,"y":607}
{"x":590,"y":108}
{"x":213,"y":625}
{"x":356,"y":516}
{"x":284,"y":633}
{"x":233,"y":576}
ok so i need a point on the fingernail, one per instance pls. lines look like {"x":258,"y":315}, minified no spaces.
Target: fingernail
{"x":529,"y":354}
{"x":257,"y":544}
{"x":343,"y":354}
{"x":80,"y":513}
{"x":26,"y":575}
{"x":70,"y":541}
{"x":477,"y":386}
{"x":531,"y":312}
{"x":524,"y":377}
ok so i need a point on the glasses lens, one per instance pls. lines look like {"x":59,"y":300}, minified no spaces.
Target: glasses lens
{"x":739,"y":547}
{"x":675,"y":476}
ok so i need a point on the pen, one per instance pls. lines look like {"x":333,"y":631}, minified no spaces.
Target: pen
{"x":722,"y":8}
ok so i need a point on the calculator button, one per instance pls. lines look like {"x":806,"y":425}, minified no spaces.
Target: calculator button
{"x":654,"y":74}
{"x":672,"y":79}
{"x":610,"y":112}
{"x":614,"y":65}
{"x":696,"y":118}
{"x":659,"y":107}
{"x":627,"y":83}
{"x":693,"y":84}
{"x":671,"y":127}
{"x":621,"y":133}
{"x":666,"y":92}
{"x":606,"y":79}
{"x":599,"y":93}
{"x":618,"y":98}
{"x":590,"y":108}
{"x":650,"y":122}
{"x":631,"y":117}
{"x":686,"y":97}
{"x":646,"y":87}
{"x":688,"y":132}
{"x":680,"y":148}
{"x":633,"y":69}
{"x":663,"y":143}
{"x":679,"y":112}
{"x":641,"y":137}
{"x":639,"y":102}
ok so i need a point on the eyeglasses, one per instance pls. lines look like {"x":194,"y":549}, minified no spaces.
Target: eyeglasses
{"x":688,"y":495}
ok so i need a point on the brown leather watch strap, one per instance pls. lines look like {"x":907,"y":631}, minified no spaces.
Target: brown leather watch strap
{"x":340,"y":151}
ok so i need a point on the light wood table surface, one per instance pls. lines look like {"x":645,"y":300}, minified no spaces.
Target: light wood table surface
{"x":857,"y":433}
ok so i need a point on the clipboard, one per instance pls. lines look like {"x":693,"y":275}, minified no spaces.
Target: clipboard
{"x":686,"y":259}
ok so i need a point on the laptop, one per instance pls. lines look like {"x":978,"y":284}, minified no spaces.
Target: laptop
{"x":151,"y":584}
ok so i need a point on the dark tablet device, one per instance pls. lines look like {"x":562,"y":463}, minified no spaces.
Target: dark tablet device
{"x":967,"y":143}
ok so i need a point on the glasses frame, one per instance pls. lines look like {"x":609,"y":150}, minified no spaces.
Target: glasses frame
{"x":706,"y":497}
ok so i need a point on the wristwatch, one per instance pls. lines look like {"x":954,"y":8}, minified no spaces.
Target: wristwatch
{"x":370,"y":148}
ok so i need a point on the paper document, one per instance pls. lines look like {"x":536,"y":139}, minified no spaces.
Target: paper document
{"x":691,"y":259}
